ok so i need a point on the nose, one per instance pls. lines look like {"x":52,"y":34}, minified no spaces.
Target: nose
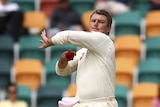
{"x":96,"y":23}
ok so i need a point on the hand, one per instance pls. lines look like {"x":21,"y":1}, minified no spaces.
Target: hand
{"x":70,"y":54}
{"x":46,"y":42}
{"x":65,"y":58}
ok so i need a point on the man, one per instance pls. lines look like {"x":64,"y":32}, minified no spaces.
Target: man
{"x":12,"y":100}
{"x":11,"y":19}
{"x":94,"y":62}
{"x":64,"y":18}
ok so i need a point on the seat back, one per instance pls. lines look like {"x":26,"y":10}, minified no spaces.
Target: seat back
{"x":143,"y":94}
{"x":127,"y":23}
{"x":149,"y":70}
{"x":86,"y":18}
{"x":77,"y":5}
{"x":28,"y":72}
{"x":28,"y":45}
{"x":6,"y":48}
{"x":121,"y":95}
{"x":128,"y":46}
{"x":34,"y":19}
{"x":48,"y":96}
{"x":52,"y":77}
{"x":152,"y":23}
{"x":142,"y":6}
{"x":26,"y":5}
{"x":153,"y":47}
{"x":24,"y":93}
{"x":125,"y":73}
{"x":71,"y":90}
{"x":5,"y":74}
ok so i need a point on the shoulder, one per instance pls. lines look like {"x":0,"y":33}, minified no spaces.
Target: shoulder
{"x":3,"y":102}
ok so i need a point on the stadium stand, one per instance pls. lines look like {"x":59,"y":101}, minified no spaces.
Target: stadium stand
{"x":28,"y":72}
{"x":128,"y":43}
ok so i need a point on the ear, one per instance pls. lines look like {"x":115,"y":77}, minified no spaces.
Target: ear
{"x":108,"y":29}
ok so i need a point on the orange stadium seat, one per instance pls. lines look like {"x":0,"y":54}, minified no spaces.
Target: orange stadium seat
{"x":34,"y":19}
{"x":124,"y":71}
{"x":85,"y":19}
{"x":153,"y":23}
{"x":128,"y":46}
{"x":143,"y":94}
{"x":71,"y":91}
{"x":28,"y":72}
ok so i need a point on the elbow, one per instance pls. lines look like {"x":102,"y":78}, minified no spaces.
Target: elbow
{"x":61,"y":73}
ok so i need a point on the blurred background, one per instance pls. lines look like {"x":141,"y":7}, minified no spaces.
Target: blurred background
{"x":135,"y":33}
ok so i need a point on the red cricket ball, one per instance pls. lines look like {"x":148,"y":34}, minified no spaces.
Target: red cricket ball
{"x":70,"y":55}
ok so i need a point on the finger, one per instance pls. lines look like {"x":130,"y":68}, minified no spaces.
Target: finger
{"x":43,"y":35}
{"x":42,"y":41}
{"x":41,"y":47}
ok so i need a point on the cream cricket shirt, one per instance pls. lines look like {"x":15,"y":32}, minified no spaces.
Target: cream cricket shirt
{"x":94,"y":63}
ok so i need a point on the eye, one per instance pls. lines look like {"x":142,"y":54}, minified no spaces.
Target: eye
{"x":101,"y":21}
{"x":93,"y":20}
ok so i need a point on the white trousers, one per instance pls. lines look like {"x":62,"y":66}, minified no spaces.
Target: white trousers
{"x":98,"y":103}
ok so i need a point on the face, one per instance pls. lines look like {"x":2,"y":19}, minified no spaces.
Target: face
{"x":98,"y":23}
{"x":4,"y":1}
{"x":12,"y":93}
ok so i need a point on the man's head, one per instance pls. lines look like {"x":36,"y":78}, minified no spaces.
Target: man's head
{"x":64,"y":4}
{"x":12,"y":91}
{"x":100,"y":21}
{"x":4,"y":2}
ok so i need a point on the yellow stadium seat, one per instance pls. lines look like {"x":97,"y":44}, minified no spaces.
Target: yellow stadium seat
{"x":125,"y":71}
{"x":128,"y":46}
{"x":86,"y":18}
{"x":71,"y":91}
{"x":34,"y":20}
{"x":143,"y":94}
{"x":28,"y":72}
{"x":153,"y":23}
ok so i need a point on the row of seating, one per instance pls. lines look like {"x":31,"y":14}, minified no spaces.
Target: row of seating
{"x":48,"y":6}
{"x":128,"y":51}
{"x":131,"y":23}
{"x":141,"y":94}
{"x":45,"y":96}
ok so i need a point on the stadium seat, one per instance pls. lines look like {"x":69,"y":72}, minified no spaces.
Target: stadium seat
{"x":34,"y":20}
{"x":48,"y":96}
{"x":28,"y":48}
{"x":56,"y":51}
{"x":24,"y":93}
{"x":128,"y":46}
{"x":121,"y":95}
{"x":25,"y":5}
{"x":48,"y":6}
{"x":152,"y":47}
{"x":149,"y":70}
{"x":86,"y":18}
{"x":53,"y":79}
{"x":6,"y":48}
{"x":152,"y":23}
{"x":141,"y":6}
{"x":127,"y":23}
{"x":5,"y":68}
{"x":71,"y":90}
{"x":28,"y":72}
{"x":143,"y":94}
{"x":125,"y":71}
{"x":78,"y":4}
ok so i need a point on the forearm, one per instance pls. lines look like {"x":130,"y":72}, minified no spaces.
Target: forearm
{"x":62,"y":63}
